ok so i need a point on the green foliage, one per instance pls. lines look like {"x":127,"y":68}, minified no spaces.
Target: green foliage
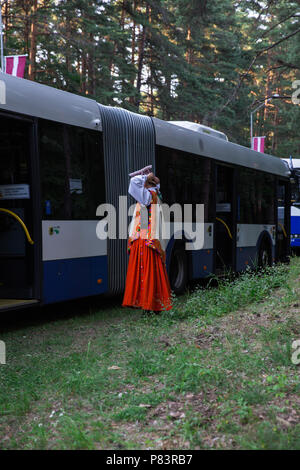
{"x":270,"y":437}
{"x":232,"y":293}
{"x":209,"y":62}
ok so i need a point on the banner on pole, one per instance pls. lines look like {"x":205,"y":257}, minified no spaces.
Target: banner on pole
{"x":258,"y":144}
{"x":15,"y":65}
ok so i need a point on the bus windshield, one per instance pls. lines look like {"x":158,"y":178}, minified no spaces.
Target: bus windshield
{"x":295,"y":187}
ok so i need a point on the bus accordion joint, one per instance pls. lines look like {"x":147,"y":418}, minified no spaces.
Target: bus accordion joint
{"x":283,"y":229}
{"x":20,"y":221}
{"x":224,"y":223}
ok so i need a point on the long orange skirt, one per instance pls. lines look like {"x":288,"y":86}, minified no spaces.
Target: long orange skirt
{"x":147,"y":283}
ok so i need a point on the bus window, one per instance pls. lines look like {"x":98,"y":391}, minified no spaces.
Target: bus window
{"x":256,"y":193}
{"x":72,"y":171}
{"x":283,"y":216}
{"x":295,"y":188}
{"x":186,"y":179}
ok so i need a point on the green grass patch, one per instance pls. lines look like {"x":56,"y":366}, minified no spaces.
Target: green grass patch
{"x":215,"y":372}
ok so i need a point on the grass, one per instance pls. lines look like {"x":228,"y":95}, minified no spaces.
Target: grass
{"x":214,"y":373}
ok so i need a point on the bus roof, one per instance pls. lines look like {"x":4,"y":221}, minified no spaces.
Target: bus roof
{"x":187,"y":140}
{"x":34,"y":99}
{"x":296,"y":162}
{"x":194,"y":126}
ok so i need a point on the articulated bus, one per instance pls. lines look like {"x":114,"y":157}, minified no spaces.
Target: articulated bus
{"x":295,"y":203}
{"x":63,"y":155}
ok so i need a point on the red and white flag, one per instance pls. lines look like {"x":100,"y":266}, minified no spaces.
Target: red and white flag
{"x":15,"y":65}
{"x":258,"y":144}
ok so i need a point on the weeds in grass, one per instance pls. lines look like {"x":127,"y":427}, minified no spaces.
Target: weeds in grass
{"x":268,"y":436}
{"x":74,"y":435}
{"x":115,"y":369}
{"x":232,"y":294}
{"x":131,"y":413}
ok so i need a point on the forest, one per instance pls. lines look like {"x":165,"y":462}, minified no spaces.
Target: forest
{"x":207,"y":61}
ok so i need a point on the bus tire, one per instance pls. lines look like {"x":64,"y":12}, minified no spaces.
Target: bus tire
{"x":178,"y":271}
{"x":265,"y":254}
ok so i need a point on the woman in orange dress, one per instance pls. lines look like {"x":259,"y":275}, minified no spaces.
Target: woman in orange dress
{"x":147,"y":283}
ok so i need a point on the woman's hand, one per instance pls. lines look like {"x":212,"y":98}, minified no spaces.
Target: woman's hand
{"x":151,"y":180}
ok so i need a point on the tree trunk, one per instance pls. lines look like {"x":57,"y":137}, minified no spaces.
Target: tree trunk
{"x":33,"y":34}
{"x":5,"y":18}
{"x":27,"y":27}
{"x":188,"y":54}
{"x":91,"y":70}
{"x":133,"y":45}
{"x":142,"y":41}
{"x":150,"y":78}
{"x":83,"y":72}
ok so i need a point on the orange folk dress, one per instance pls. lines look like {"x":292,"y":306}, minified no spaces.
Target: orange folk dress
{"x":147,"y":282}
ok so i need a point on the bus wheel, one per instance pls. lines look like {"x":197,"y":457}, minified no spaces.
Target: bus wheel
{"x":264,"y":255}
{"x":178,"y":270}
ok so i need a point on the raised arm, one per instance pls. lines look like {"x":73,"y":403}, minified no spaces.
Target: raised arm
{"x":138,"y":191}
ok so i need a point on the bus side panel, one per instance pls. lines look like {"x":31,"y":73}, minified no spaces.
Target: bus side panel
{"x":201,"y":262}
{"x":74,"y":260}
{"x":73,"y":278}
{"x":248,"y":243}
{"x":246,"y":257}
{"x":295,"y":227}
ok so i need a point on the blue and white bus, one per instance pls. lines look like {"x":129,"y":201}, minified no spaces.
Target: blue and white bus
{"x":295,"y":203}
{"x":62,"y":155}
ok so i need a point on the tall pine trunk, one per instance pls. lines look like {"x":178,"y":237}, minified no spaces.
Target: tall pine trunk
{"x":33,"y":34}
{"x":91,"y":70}
{"x":142,"y":42}
{"x":133,"y":45}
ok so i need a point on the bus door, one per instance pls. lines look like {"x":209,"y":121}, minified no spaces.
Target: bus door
{"x":19,"y":284}
{"x":283,"y":221}
{"x":225,"y":223}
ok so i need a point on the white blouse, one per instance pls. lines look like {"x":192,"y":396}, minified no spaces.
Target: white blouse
{"x":138,"y":191}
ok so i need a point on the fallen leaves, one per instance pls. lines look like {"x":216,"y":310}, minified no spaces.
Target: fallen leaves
{"x":176,"y":414}
{"x":284,"y":422}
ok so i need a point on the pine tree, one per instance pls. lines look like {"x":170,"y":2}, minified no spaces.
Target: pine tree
{"x":206,"y":61}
